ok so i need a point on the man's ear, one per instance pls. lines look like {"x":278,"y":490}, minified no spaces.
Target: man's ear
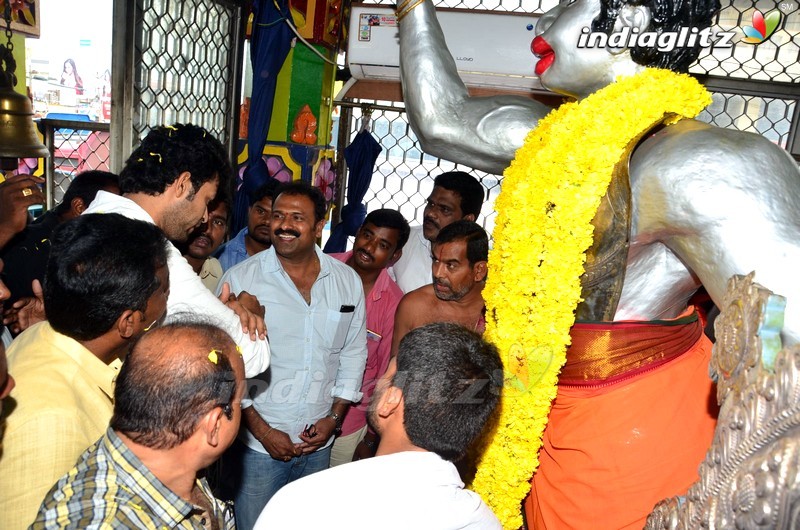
{"x":211,"y":425}
{"x":480,"y":270}
{"x":390,"y":402}
{"x":318,"y":229}
{"x":636,"y":18}
{"x":128,"y":322}
{"x":182,"y":186}
{"x":396,"y":257}
{"x":77,"y":206}
{"x":469,"y":217}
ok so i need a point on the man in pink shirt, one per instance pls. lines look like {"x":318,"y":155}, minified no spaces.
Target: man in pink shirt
{"x":379,"y":243}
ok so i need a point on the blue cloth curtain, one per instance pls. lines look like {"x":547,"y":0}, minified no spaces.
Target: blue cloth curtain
{"x":360,"y":156}
{"x":270,"y":43}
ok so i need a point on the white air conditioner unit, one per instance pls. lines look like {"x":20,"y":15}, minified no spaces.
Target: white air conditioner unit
{"x":491,"y":49}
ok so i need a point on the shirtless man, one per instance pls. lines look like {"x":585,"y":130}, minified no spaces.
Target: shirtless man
{"x":697,"y":217}
{"x":459,"y":254}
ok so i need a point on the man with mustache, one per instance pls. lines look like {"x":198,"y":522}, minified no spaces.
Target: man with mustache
{"x":255,"y":237}
{"x":146,"y":470}
{"x":456,"y":195}
{"x":459,"y":255}
{"x":205,"y":240}
{"x":315,"y":311}
{"x":379,"y":243}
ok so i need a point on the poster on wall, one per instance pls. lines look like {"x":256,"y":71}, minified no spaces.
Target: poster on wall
{"x":24,"y":16}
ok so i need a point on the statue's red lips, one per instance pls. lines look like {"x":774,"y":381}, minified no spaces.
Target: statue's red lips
{"x":546,"y":55}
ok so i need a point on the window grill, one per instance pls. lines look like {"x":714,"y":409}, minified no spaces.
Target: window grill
{"x":777,"y":59}
{"x":183,"y":64}
{"x":403,"y":175}
{"x":75,"y":146}
{"x":769,"y":117}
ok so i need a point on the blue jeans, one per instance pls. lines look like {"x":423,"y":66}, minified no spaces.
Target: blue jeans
{"x":255,"y":477}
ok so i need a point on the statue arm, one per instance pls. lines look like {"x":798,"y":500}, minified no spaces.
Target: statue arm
{"x":725,"y":202}
{"x":480,"y":132}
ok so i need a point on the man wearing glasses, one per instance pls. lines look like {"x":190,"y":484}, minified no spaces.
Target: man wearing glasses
{"x":143,"y":473}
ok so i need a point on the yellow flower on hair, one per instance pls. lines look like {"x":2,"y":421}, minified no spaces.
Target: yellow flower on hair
{"x":213,"y":356}
{"x":550,"y":194}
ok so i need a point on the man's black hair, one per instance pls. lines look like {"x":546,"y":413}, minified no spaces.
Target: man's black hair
{"x":451,"y":380}
{"x":388,"y":218}
{"x":222,"y":197}
{"x":476,"y":237}
{"x":298,"y":187}
{"x":267,"y":189}
{"x":468,"y":188}
{"x":168,"y":151}
{"x":85,"y":186}
{"x":158,"y":402}
{"x":666,"y":16}
{"x":99,"y":266}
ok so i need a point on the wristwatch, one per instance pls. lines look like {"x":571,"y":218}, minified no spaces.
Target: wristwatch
{"x":336,"y":418}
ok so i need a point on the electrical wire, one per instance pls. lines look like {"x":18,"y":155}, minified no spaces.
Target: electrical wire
{"x":304,"y":41}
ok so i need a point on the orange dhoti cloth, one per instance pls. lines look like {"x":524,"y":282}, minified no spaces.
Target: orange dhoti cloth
{"x":633,"y":418}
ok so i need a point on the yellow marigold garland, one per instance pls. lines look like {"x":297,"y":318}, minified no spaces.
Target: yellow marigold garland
{"x":550,"y":194}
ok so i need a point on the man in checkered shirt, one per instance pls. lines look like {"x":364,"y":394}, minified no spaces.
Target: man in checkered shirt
{"x":177,"y":407}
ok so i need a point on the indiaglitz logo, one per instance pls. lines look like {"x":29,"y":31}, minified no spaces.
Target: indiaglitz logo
{"x":630,"y":37}
{"x":762,"y":28}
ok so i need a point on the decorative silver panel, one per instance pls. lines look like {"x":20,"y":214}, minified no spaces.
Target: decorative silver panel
{"x":751,"y":475}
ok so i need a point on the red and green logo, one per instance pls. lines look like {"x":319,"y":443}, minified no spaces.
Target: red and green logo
{"x":762,"y":28}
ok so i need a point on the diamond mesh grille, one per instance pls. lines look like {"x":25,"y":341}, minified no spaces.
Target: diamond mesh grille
{"x":183,"y":58}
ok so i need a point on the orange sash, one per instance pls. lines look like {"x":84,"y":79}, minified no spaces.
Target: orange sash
{"x":626,"y":429}
{"x":605,"y":352}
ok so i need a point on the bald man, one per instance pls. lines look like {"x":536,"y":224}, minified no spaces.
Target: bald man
{"x":143,"y":473}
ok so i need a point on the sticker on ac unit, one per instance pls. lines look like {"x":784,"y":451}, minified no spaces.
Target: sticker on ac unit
{"x":366,"y":22}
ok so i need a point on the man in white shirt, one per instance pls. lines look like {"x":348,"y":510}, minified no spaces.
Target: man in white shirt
{"x":456,"y":195}
{"x":316,"y":311}
{"x":169,"y":181}
{"x":428,"y":408}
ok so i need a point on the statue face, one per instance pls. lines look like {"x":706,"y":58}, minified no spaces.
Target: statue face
{"x":567,"y":69}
